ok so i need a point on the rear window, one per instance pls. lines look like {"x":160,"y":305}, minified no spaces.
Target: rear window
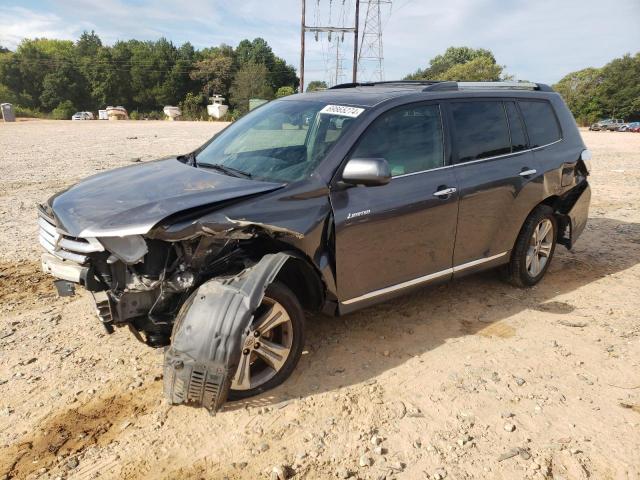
{"x":481,"y":130}
{"x":541,"y":122}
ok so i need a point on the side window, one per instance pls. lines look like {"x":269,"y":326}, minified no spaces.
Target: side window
{"x":541,"y":122}
{"x":408,"y":137}
{"x":481,"y":130}
{"x":518,"y":139}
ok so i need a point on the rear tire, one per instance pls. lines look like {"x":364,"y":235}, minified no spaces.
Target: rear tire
{"x":288,"y":336}
{"x":534,"y":248}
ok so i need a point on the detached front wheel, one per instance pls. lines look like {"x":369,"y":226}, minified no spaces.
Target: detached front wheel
{"x":273,"y":344}
{"x":534,"y":248}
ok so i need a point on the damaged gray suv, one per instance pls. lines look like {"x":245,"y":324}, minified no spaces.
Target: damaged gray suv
{"x":329,"y":201}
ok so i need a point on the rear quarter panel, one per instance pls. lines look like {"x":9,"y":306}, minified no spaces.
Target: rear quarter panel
{"x":559,"y":160}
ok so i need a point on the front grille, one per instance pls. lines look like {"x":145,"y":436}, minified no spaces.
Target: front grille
{"x":61,"y":244}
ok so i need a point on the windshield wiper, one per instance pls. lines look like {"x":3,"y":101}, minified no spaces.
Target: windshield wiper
{"x":234,"y":172}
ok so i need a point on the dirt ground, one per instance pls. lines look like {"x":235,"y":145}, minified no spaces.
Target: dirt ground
{"x":474,"y":379}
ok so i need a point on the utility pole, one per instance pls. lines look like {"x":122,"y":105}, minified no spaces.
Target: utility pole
{"x":328,"y":29}
{"x":371,"y":51}
{"x":355,"y":43}
{"x":302,"y":30}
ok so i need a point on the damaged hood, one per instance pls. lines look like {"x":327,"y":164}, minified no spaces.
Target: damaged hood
{"x":131,"y":200}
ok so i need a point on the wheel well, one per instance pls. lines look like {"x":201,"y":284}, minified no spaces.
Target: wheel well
{"x":551,"y":201}
{"x":561,"y":206}
{"x":304,"y":282}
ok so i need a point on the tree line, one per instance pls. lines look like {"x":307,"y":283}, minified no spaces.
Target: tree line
{"x":59,"y":77}
{"x":612,"y":91}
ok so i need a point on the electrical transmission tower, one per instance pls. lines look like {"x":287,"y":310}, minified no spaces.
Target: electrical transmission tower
{"x":371,"y":55}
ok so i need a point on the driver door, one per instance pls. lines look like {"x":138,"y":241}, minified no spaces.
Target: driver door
{"x":392,"y":237}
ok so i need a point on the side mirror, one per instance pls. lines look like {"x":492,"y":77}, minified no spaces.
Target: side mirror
{"x":370,"y":172}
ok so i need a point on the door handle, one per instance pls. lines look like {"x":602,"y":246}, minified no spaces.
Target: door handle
{"x":527,"y":173}
{"x":444,"y":192}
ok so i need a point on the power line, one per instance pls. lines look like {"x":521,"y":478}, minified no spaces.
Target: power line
{"x":121,"y":67}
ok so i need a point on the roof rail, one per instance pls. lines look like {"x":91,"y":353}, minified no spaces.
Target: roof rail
{"x":510,"y":85}
{"x":388,"y":82}
{"x":438,"y":86}
{"x":441,"y":85}
{"x":350,"y":85}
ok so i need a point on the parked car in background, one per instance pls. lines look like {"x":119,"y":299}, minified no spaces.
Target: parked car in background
{"x":627,"y":127}
{"x":634,"y":127}
{"x":82,"y":116}
{"x":606,"y":124}
{"x":614,"y":125}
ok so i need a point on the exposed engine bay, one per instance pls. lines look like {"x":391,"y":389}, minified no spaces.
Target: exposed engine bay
{"x":142,"y":282}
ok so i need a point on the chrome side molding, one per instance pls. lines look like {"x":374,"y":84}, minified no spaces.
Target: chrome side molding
{"x":423,"y":279}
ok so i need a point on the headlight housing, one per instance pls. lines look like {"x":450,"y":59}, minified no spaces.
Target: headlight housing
{"x":130,"y":249}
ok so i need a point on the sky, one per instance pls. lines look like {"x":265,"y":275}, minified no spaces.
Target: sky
{"x":540,"y":40}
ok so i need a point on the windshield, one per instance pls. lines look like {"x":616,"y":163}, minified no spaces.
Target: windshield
{"x":280,"y":141}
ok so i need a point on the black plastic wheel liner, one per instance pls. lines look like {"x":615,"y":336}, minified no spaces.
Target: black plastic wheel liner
{"x":209,"y":333}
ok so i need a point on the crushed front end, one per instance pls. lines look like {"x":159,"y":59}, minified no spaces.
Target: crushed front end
{"x":135,"y":281}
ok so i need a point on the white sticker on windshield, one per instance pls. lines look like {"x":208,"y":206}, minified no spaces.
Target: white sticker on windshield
{"x":342,"y":110}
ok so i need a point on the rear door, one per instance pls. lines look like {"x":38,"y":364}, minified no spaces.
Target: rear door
{"x":497,"y":178}
{"x":394,"y":236}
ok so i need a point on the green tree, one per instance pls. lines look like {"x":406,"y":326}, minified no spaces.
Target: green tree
{"x":214,"y":73}
{"x":316,"y":85}
{"x":284,"y":92}
{"x":192,"y":107}
{"x":64,"y":83}
{"x":7,"y":95}
{"x":88,"y":44}
{"x":251,"y":81}
{"x":258,"y":51}
{"x":611,"y":91}
{"x":619,"y":90}
{"x":476,"y":70}
{"x":110,"y":79}
{"x":580,"y":92}
{"x":461,"y":63}
{"x":178,"y":82}
{"x":283,"y":75}
{"x":64,"y":110}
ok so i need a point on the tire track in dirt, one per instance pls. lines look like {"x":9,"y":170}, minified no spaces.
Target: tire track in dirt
{"x":70,"y":431}
{"x":24,"y":280}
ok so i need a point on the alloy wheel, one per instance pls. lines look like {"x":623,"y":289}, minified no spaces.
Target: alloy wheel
{"x":266,"y":348}
{"x":540,"y":246}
